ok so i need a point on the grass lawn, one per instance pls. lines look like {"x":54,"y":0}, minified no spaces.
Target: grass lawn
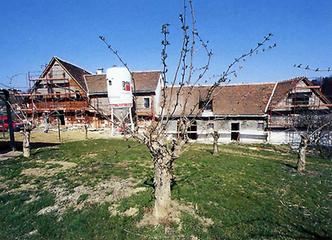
{"x":100,"y":189}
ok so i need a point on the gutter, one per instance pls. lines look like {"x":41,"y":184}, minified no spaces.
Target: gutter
{"x":268,"y":103}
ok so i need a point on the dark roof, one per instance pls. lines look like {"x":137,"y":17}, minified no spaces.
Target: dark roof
{"x":246,"y":99}
{"x":146,"y":81}
{"x":96,"y":84}
{"x":76,"y":72}
{"x":327,"y":87}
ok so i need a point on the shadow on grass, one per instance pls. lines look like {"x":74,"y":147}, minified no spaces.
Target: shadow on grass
{"x":290,"y":230}
{"x":5,"y":146}
{"x":289,"y":166}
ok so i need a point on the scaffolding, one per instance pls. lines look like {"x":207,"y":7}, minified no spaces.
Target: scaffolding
{"x":53,"y":93}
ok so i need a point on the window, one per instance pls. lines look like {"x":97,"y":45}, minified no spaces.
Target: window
{"x":126,"y":86}
{"x":77,"y":95}
{"x":207,"y":105}
{"x":260,"y":125}
{"x":146,"y":103}
{"x":49,"y":88}
{"x":300,"y":98}
{"x":110,"y":82}
{"x":235,"y":126}
{"x":210,"y":125}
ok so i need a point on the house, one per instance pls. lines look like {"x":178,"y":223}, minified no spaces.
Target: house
{"x":148,"y":85}
{"x":146,"y":91}
{"x":99,"y":108}
{"x":248,"y":113}
{"x":237,"y":112}
{"x":289,"y":99}
{"x":59,"y":92}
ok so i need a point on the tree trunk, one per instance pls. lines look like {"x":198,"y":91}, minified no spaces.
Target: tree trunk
{"x":47,"y":127}
{"x":86,"y":130}
{"x":162,"y":183}
{"x":215,"y":143}
{"x":26,"y":142}
{"x":302,"y":154}
{"x":59,"y":130}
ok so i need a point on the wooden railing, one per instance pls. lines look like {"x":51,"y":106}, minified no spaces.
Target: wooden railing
{"x":65,"y":105}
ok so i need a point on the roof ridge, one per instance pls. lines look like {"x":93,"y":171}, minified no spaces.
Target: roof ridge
{"x":70,"y":63}
{"x":92,"y":75}
{"x":292,"y":79}
{"x":227,"y":85}
{"x":146,"y":71}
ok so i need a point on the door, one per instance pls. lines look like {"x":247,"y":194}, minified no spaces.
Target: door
{"x":235,"y":131}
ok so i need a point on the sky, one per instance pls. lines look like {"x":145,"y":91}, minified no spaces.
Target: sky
{"x":33,"y":31}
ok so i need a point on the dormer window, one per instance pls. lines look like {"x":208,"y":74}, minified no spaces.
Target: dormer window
{"x":300,"y":98}
{"x":78,"y":95}
{"x":206,"y":105}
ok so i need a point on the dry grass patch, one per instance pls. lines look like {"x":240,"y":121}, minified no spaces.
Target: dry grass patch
{"x":176,"y":210}
{"x":109,"y":191}
{"x":48,"y":170}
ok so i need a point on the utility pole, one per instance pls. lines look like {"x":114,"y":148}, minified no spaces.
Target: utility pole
{"x":9,"y":117}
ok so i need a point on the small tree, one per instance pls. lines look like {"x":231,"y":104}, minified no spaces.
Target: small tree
{"x":314,"y":129}
{"x":175,"y":102}
{"x":216,"y":136}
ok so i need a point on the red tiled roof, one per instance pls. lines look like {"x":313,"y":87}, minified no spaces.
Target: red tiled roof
{"x":284,"y":87}
{"x":96,"y":84}
{"x":146,"y":81}
{"x":281,"y":91}
{"x":246,"y":99}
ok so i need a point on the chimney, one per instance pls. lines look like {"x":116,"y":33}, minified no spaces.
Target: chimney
{"x":100,"y":71}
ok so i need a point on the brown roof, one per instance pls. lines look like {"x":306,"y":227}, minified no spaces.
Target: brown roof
{"x":96,"y":84}
{"x":284,"y":87}
{"x":76,"y":72}
{"x":246,"y":99}
{"x":146,"y":81}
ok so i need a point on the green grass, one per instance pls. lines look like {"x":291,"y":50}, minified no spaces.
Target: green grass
{"x":250,"y":192}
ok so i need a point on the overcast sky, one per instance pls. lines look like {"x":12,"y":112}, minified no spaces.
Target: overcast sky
{"x":33,"y":31}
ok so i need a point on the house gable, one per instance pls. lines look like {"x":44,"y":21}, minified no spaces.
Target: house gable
{"x":298,"y":92}
{"x":58,"y":70}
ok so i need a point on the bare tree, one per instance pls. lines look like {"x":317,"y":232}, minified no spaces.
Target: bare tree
{"x":176,"y":102}
{"x":16,"y":106}
{"x":28,"y":124}
{"x":216,"y":136}
{"x":315,"y":130}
